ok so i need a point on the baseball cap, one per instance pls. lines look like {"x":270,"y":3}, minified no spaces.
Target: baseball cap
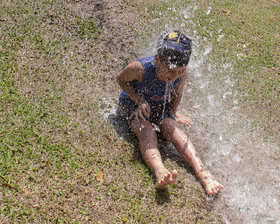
{"x":174,"y":47}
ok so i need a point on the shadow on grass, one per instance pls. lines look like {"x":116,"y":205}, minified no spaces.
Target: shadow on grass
{"x":162,"y":196}
{"x":120,"y":122}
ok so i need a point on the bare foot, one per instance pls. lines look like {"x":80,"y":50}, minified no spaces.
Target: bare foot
{"x":212,"y":187}
{"x":164,"y":177}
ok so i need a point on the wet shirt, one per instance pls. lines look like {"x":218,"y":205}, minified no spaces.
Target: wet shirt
{"x":153,"y":90}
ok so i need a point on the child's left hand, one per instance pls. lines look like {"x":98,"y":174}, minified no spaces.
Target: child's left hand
{"x":180,"y":118}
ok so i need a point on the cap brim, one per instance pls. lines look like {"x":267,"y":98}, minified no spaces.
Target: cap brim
{"x":174,"y":46}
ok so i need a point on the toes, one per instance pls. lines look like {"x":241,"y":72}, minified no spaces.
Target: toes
{"x":167,"y":178}
{"x":213,"y":190}
{"x":174,"y":173}
{"x":219,"y":187}
{"x":166,"y":175}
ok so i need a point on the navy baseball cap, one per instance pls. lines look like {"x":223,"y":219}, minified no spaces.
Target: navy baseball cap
{"x":175,"y":48}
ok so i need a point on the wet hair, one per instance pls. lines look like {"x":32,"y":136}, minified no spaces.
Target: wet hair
{"x":174,"y":48}
{"x":173,"y":57}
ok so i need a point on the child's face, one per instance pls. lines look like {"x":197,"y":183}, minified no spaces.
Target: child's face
{"x":167,"y":73}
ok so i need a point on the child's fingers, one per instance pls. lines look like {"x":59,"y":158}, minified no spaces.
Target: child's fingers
{"x":184,"y":120}
{"x":131,"y":116}
{"x":188,"y":121}
{"x":146,"y":113}
{"x":135,"y":116}
{"x":148,"y":110}
{"x":141,"y":115}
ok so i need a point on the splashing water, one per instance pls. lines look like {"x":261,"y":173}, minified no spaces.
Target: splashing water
{"x":236,"y":154}
{"x":208,"y":11}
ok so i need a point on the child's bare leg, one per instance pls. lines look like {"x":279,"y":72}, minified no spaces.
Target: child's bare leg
{"x":172,"y":131}
{"x":150,"y":153}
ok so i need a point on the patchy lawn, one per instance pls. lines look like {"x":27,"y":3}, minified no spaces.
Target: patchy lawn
{"x":60,"y":159}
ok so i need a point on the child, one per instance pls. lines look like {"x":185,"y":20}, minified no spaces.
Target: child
{"x":152,"y":90}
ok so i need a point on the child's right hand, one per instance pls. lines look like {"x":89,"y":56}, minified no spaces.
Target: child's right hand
{"x":142,"y":111}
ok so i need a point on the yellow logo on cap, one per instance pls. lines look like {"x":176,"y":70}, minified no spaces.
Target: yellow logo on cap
{"x":172,"y":35}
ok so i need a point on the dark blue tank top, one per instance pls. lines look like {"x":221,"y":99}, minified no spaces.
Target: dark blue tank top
{"x":153,"y":90}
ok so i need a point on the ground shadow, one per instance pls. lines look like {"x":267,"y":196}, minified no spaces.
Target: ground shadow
{"x":168,"y":151}
{"x":162,"y":196}
{"x":120,"y":123}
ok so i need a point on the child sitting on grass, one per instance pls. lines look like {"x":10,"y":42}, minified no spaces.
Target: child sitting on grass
{"x":152,"y":90}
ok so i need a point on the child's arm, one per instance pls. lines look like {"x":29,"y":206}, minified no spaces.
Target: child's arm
{"x":134,"y":71}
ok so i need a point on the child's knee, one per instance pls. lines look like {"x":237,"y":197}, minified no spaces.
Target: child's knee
{"x":143,"y":128}
{"x":167,"y":125}
{"x":169,"y":128}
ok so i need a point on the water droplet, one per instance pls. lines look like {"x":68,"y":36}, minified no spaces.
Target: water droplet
{"x":220,"y":37}
{"x":227,"y":94}
{"x":207,"y":50}
{"x":187,"y":14}
{"x":208,"y":11}
{"x":172,"y":66}
{"x":236,"y":158}
{"x":189,"y":90}
{"x":240,"y":56}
